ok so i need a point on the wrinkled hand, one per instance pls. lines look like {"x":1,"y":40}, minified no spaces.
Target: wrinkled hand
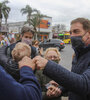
{"x":53,"y":92}
{"x":40,"y":62}
{"x":26,"y":61}
{"x":54,"y":83}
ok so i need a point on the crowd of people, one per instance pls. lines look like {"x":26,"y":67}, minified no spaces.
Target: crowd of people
{"x":28,"y":73}
{"x":8,"y":38}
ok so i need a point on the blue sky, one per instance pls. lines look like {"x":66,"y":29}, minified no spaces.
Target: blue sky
{"x":61,"y":11}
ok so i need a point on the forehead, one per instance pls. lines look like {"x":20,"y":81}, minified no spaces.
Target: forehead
{"x":51,"y":52}
{"x":28,"y":34}
{"x":76,"y":25}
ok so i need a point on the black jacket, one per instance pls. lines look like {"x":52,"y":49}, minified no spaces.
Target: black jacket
{"x":11,"y":47}
{"x":76,"y":82}
{"x":7,"y":62}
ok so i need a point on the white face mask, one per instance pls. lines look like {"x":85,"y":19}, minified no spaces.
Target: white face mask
{"x":27,"y":41}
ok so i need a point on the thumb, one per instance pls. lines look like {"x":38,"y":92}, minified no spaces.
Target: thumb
{"x":34,"y":60}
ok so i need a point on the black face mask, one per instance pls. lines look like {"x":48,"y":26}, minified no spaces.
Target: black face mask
{"x":77,"y":42}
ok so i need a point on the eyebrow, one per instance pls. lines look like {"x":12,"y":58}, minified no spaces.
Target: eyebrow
{"x":73,"y":31}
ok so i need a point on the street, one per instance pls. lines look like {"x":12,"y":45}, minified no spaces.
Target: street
{"x":66,"y":56}
{"x":66,"y":59}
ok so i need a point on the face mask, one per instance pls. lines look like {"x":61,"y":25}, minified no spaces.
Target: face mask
{"x":77,"y":42}
{"x":27,"y":41}
{"x":56,"y":61}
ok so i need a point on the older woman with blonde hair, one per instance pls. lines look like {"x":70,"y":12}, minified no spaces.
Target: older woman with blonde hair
{"x":50,"y":89}
{"x":52,"y":54}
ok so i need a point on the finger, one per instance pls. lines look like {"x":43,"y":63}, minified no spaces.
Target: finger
{"x":37,"y":57}
{"x":57,"y":92}
{"x":54,"y":83}
{"x":34,"y":60}
{"x":50,"y":87}
{"x":25,"y":57}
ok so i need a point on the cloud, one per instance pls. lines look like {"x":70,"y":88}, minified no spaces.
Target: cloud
{"x":61,"y":11}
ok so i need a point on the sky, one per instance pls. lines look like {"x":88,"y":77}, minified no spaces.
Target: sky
{"x":61,"y":11}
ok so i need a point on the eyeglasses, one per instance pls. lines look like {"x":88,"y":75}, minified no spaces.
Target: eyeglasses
{"x":50,"y":57}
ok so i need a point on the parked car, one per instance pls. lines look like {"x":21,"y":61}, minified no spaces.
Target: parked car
{"x":52,"y":43}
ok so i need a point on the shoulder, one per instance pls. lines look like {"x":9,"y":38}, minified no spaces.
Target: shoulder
{"x":10,"y":48}
{"x":33,"y":52}
{"x":13,"y":45}
{"x":33,"y":49}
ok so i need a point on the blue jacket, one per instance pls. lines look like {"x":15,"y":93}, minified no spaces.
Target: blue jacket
{"x":76,"y":82}
{"x":27,"y":89}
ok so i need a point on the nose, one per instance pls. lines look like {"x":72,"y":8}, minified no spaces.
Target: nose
{"x":52,"y":58}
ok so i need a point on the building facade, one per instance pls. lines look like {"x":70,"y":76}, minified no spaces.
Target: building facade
{"x":44,"y":29}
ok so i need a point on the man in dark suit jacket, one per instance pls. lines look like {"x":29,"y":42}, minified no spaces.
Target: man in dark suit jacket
{"x":77,"y":82}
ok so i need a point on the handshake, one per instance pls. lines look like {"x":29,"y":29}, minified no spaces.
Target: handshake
{"x":38,"y":62}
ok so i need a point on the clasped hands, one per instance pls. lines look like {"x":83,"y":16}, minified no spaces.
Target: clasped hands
{"x":38,"y":62}
{"x":53,"y":90}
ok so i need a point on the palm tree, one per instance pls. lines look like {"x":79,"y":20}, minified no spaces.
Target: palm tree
{"x":35,"y":22}
{"x":4,"y":11}
{"x":28,"y":10}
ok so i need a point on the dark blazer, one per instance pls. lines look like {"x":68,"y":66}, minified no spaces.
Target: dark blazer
{"x":77,"y":82}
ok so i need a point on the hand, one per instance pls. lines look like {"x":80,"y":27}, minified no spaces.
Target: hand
{"x":86,"y":38}
{"x":53,"y":92}
{"x":40,"y":62}
{"x":54,"y":83}
{"x":26,"y":61}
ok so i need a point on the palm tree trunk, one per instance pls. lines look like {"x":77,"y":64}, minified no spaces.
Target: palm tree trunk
{"x":0,"y":23}
{"x":29,"y":20}
{"x":6,"y":25}
{"x":35,"y":34}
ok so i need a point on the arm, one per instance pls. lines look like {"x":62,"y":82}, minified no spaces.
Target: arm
{"x":11,"y":90}
{"x":7,"y":62}
{"x":70,"y":80}
{"x":40,"y":78}
{"x":3,"y":57}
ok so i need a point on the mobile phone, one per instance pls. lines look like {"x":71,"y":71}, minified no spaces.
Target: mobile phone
{"x":48,"y":85}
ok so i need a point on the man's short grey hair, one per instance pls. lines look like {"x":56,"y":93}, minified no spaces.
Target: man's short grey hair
{"x":85,"y":22}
